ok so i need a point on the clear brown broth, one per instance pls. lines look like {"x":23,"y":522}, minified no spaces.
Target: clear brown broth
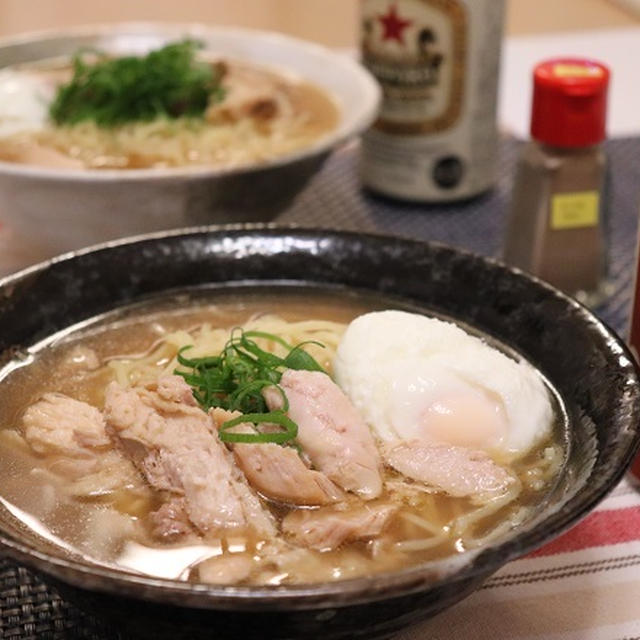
{"x":100,"y":527}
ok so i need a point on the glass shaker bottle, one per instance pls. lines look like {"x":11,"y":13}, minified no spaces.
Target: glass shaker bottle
{"x":556,"y":225}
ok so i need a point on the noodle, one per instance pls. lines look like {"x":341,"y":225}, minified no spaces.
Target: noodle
{"x":465,"y":522}
{"x":164,"y":143}
{"x":420,"y":545}
{"x":439,"y":535}
{"x":206,"y":340}
{"x":516,"y":519}
{"x":424,"y":524}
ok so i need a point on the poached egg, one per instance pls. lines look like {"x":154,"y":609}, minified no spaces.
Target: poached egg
{"x":414,"y":377}
{"x":24,"y":101}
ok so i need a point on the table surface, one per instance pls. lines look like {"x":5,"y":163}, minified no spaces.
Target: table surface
{"x":585,"y":584}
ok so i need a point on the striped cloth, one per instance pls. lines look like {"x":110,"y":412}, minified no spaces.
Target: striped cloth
{"x":584,"y":585}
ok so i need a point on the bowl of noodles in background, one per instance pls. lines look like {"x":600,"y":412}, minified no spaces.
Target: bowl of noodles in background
{"x":275,"y":107}
{"x":126,"y":310}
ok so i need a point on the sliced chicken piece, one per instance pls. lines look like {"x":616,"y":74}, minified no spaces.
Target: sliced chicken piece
{"x":72,"y":434}
{"x":225,"y":569}
{"x":57,"y":424}
{"x":170,"y":522}
{"x":457,"y":471}
{"x":173,"y":443}
{"x":248,"y":94}
{"x":175,"y":389}
{"x":330,"y":431}
{"x":278,"y":472}
{"x":328,"y":528}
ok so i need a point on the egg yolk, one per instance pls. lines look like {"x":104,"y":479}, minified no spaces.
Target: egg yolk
{"x":469,"y":419}
{"x":435,"y":404}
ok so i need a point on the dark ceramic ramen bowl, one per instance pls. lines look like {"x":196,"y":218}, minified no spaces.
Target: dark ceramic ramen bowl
{"x":589,"y":367}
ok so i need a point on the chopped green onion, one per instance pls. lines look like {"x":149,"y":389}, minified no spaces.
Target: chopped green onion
{"x":211,"y":361}
{"x":268,"y":336}
{"x":257,"y":385}
{"x":169,"y":82}
{"x":235,"y":379}
{"x":300,"y":359}
{"x":272,"y":417}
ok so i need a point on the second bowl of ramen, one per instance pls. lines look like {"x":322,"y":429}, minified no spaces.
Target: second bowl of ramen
{"x":183,"y":124}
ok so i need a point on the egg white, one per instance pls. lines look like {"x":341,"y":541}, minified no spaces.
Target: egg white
{"x":24,"y":101}
{"x":416,"y":377}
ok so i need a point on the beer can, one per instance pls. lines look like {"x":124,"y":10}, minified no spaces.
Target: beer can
{"x":438,"y":64}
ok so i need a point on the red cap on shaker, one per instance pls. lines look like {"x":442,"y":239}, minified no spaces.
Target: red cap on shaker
{"x":569,"y":102}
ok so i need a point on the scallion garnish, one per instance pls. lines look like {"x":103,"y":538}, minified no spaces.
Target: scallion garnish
{"x":169,"y":82}
{"x":234,"y":380}
{"x":272,"y":417}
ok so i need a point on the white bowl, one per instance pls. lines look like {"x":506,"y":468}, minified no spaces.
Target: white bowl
{"x":50,"y":211}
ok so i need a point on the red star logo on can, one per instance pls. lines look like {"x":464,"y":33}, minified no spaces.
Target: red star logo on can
{"x":393,"y":25}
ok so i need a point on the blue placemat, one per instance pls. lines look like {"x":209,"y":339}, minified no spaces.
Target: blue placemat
{"x":31,"y":610}
{"x":336,"y":199}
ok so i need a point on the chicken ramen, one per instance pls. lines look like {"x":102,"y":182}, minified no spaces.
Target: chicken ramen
{"x":170,"y":108}
{"x":274,"y":441}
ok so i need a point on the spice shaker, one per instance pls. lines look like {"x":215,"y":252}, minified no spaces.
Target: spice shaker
{"x":437,"y":62}
{"x":556,"y":225}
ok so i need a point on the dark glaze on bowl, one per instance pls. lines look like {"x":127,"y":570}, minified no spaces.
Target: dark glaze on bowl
{"x":584,"y":361}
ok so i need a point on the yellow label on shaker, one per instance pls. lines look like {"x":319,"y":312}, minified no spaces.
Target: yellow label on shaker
{"x":575,"y":210}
